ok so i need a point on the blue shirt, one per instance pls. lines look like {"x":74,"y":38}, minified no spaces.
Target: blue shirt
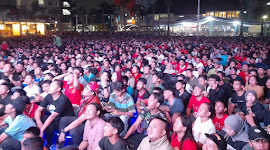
{"x":17,"y":127}
{"x":88,"y":78}
{"x":177,"y":107}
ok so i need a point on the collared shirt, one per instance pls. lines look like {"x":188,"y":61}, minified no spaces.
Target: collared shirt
{"x":93,"y":133}
{"x":124,"y":105}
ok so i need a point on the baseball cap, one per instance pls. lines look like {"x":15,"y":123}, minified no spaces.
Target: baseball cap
{"x":219,"y":140}
{"x":200,"y":86}
{"x":256,"y":133}
{"x":94,"y":86}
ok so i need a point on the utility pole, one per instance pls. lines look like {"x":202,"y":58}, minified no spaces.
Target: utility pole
{"x":198,"y":17}
{"x":242,"y":17}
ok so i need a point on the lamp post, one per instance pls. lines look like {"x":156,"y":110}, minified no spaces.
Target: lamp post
{"x":198,"y":17}
{"x":264,"y":18}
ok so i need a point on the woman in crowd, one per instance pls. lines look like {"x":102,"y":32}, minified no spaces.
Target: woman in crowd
{"x":182,"y":137}
{"x":252,"y":84}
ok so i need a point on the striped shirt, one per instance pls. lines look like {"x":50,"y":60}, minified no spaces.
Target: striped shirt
{"x":125,"y":105}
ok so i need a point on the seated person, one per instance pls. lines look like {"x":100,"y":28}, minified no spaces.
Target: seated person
{"x":157,"y":137}
{"x":120,"y":104}
{"x":220,"y":115}
{"x":17,"y":124}
{"x":31,"y":89}
{"x":258,"y":138}
{"x":140,"y":93}
{"x":5,"y":96}
{"x":203,"y":124}
{"x":182,"y":137}
{"x":214,"y":142}
{"x":235,"y":134}
{"x":111,"y":140}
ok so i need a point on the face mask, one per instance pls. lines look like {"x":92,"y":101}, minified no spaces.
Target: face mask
{"x":12,"y":61}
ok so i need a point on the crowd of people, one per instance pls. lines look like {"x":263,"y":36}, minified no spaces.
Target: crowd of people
{"x":120,"y":91}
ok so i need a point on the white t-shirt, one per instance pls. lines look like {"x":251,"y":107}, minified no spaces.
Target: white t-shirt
{"x":31,"y":92}
{"x":160,"y":58}
{"x":199,"y":129}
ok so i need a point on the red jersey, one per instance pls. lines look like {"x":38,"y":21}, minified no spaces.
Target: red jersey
{"x":243,"y":75}
{"x":195,"y":104}
{"x":30,"y":110}
{"x":137,"y":77}
{"x":238,"y":58}
{"x":72,"y":93}
{"x":4,"y":46}
{"x":219,"y":123}
{"x":179,"y":69}
{"x":86,"y":102}
{"x":188,"y":144}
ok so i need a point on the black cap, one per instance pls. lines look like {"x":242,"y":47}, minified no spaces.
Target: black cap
{"x":219,"y":140}
{"x":256,"y":133}
{"x":20,"y":103}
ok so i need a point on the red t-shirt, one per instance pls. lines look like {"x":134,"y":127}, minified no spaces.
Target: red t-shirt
{"x":4,"y":46}
{"x":137,"y":77}
{"x":219,"y":123}
{"x":243,"y":75}
{"x":195,"y":104}
{"x":72,"y":93}
{"x":94,"y":99}
{"x":188,"y":144}
{"x":238,"y":58}
{"x":178,"y":69}
{"x":31,"y":109}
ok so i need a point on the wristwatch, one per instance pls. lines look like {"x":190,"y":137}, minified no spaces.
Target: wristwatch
{"x":62,"y":131}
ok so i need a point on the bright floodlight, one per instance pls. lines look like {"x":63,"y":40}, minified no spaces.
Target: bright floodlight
{"x":268,"y":4}
{"x":209,"y":18}
{"x":264,"y":17}
{"x":235,"y":23}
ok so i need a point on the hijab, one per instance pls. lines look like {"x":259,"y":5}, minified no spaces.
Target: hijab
{"x":169,"y":71}
{"x":237,"y":125}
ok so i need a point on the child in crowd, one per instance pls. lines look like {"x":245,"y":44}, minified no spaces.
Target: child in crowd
{"x":220,"y":109}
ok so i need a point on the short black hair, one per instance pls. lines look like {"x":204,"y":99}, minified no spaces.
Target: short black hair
{"x":221,"y":72}
{"x":21,"y":92}
{"x":162,"y":120}
{"x":159,"y":97}
{"x":159,"y":75}
{"x":203,"y":76}
{"x":31,"y":75}
{"x":33,"y":143}
{"x":79,"y":68}
{"x":118,"y":86}
{"x":33,"y":130}
{"x":50,"y":74}
{"x":239,"y":80}
{"x":214,"y":76}
{"x":8,"y":85}
{"x":59,"y":83}
{"x":170,"y":89}
{"x":182,"y":81}
{"x":143,"y":80}
{"x":117,"y":123}
{"x":126,"y":70}
{"x":160,"y":91}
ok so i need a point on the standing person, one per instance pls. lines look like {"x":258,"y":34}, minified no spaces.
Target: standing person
{"x":58,"y":105}
{"x":57,"y":41}
{"x":17,"y":124}
{"x":182,"y":137}
{"x":111,"y":140}
{"x":157,"y":138}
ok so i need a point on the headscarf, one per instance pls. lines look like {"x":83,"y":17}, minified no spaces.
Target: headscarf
{"x":169,"y":71}
{"x":253,"y":93}
{"x":237,"y":125}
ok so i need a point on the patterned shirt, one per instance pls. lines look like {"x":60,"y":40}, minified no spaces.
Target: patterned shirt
{"x":125,"y":105}
{"x":148,"y":117}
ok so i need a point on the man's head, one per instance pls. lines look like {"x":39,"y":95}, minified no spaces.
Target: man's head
{"x":17,"y":105}
{"x":155,"y":100}
{"x":238,"y":84}
{"x":55,"y":87}
{"x":29,"y":79}
{"x":114,"y":126}
{"x":198,"y":90}
{"x":141,"y":83}
{"x":17,"y":93}
{"x":127,"y":72}
{"x":146,"y":69}
{"x":214,"y":142}
{"x":5,"y":88}
{"x":258,"y":138}
{"x":119,"y":88}
{"x":38,"y":71}
{"x":92,"y":111}
{"x":168,"y":93}
{"x":157,"y":77}
{"x":180,"y":84}
{"x":157,"y":129}
{"x":33,"y":143}
{"x":90,"y":89}
{"x":30,"y":132}
{"x":213,"y":80}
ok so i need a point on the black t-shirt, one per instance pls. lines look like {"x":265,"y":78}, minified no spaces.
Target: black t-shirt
{"x":228,"y":90}
{"x":215,"y":95}
{"x":185,"y":97}
{"x":105,"y":144}
{"x":257,"y":106}
{"x":262,"y":81}
{"x":15,"y":76}
{"x":239,"y":100}
{"x":4,"y":102}
{"x":62,"y":105}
